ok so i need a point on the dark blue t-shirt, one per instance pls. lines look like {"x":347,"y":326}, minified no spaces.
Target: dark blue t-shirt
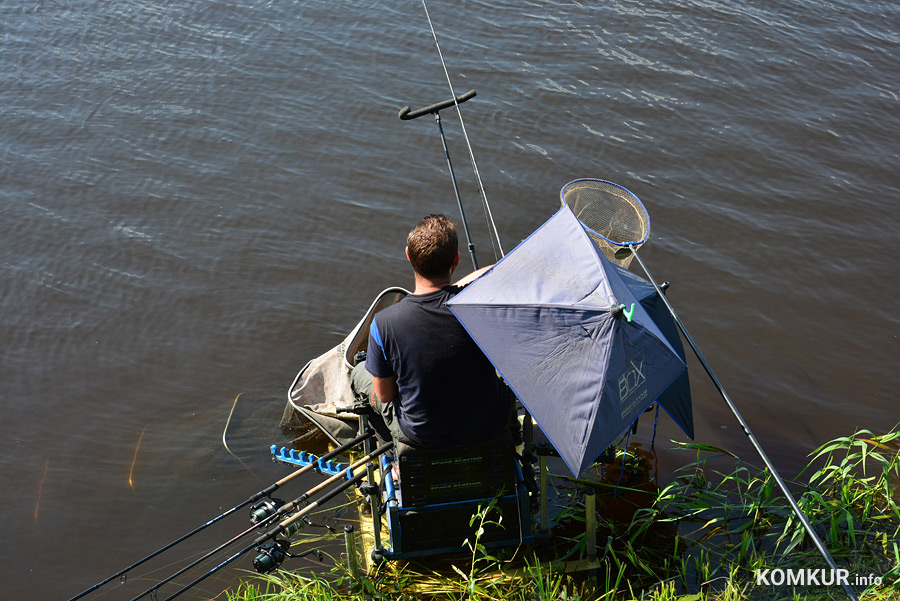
{"x":449,"y":393}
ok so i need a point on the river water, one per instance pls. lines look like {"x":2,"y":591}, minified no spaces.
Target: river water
{"x":197,"y":197}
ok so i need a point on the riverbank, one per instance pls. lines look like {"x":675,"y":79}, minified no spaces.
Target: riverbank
{"x":719,"y":531}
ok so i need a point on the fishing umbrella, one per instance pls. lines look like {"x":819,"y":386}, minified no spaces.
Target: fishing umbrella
{"x":571,"y":338}
{"x":676,"y":399}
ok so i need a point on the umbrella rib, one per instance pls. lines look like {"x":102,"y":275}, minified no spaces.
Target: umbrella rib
{"x":538,"y":305}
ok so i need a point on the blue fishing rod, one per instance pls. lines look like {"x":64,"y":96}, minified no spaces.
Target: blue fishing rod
{"x":274,"y":550}
{"x":265,"y":493}
{"x":267,"y":515}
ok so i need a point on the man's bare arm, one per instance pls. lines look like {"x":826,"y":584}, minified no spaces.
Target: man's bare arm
{"x":384,"y":389}
{"x":472,"y":276}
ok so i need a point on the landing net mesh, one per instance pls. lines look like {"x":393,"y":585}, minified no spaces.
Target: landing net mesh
{"x":613,"y":216}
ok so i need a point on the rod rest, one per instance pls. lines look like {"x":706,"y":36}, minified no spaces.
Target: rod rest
{"x":302,"y":458}
{"x":407,"y":114}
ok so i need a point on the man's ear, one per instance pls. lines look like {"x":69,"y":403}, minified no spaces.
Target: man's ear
{"x":407,"y":253}
{"x":455,"y":264}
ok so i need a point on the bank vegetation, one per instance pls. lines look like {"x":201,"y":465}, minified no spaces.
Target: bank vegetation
{"x":720,"y":530}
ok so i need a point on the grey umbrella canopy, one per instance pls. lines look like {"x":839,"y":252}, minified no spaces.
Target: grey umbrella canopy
{"x":676,"y":399}
{"x":570,"y":337}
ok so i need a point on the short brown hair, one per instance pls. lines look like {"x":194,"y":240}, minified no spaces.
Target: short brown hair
{"x":432,"y":246}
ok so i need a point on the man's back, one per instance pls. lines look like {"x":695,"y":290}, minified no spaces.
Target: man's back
{"x":449,"y":393}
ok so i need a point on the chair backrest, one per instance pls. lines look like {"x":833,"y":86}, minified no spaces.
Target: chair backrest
{"x":433,"y":476}
{"x":358,"y":339}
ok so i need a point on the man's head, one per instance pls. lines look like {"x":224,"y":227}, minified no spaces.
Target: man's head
{"x":432,"y":247}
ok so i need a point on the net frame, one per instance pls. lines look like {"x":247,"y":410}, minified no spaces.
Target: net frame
{"x":613,"y":216}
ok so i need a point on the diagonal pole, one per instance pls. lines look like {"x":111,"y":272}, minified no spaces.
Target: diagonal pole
{"x":787,"y":493}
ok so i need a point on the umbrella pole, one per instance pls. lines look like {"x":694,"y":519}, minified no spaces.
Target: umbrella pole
{"x":803,"y":519}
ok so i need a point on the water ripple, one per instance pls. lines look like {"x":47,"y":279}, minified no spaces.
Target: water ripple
{"x":197,"y":197}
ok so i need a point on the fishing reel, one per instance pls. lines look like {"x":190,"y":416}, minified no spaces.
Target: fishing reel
{"x":273,"y":553}
{"x":271,"y":556}
{"x":265,"y":509}
{"x":309,"y":522}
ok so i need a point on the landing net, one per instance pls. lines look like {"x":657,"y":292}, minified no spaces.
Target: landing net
{"x":613,"y":216}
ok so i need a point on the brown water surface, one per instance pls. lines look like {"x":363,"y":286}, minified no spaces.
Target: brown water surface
{"x":198,"y":197}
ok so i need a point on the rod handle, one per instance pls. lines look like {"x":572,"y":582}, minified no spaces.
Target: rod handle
{"x":406,"y":114}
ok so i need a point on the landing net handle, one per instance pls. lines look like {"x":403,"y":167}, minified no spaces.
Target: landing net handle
{"x":614,"y":217}
{"x":618,"y":222}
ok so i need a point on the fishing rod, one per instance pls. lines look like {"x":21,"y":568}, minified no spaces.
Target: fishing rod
{"x":276,"y":553}
{"x":406,"y":115}
{"x":486,"y":205}
{"x":253,"y":499}
{"x":263,"y":517}
{"x":790,"y":497}
{"x":284,"y":527}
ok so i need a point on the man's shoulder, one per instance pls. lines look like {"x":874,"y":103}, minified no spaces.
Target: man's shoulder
{"x":390,"y":320}
{"x":415,"y":310}
{"x":412,"y":302}
{"x":395,"y":311}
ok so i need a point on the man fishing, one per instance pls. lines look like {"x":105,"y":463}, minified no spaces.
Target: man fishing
{"x":423,"y":372}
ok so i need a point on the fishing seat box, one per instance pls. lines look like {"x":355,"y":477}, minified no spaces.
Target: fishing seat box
{"x":441,"y":490}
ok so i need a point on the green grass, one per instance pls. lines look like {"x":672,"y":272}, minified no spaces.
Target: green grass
{"x":701,"y":537}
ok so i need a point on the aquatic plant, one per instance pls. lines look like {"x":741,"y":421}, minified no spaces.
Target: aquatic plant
{"x":734,"y":523}
{"x":858,"y":486}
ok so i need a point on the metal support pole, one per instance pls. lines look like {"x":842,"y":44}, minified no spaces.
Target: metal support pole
{"x":527,"y":432}
{"x":372,"y":485}
{"x":350,"y":544}
{"x":590,"y":524}
{"x":542,"y":462}
{"x":462,"y":213}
